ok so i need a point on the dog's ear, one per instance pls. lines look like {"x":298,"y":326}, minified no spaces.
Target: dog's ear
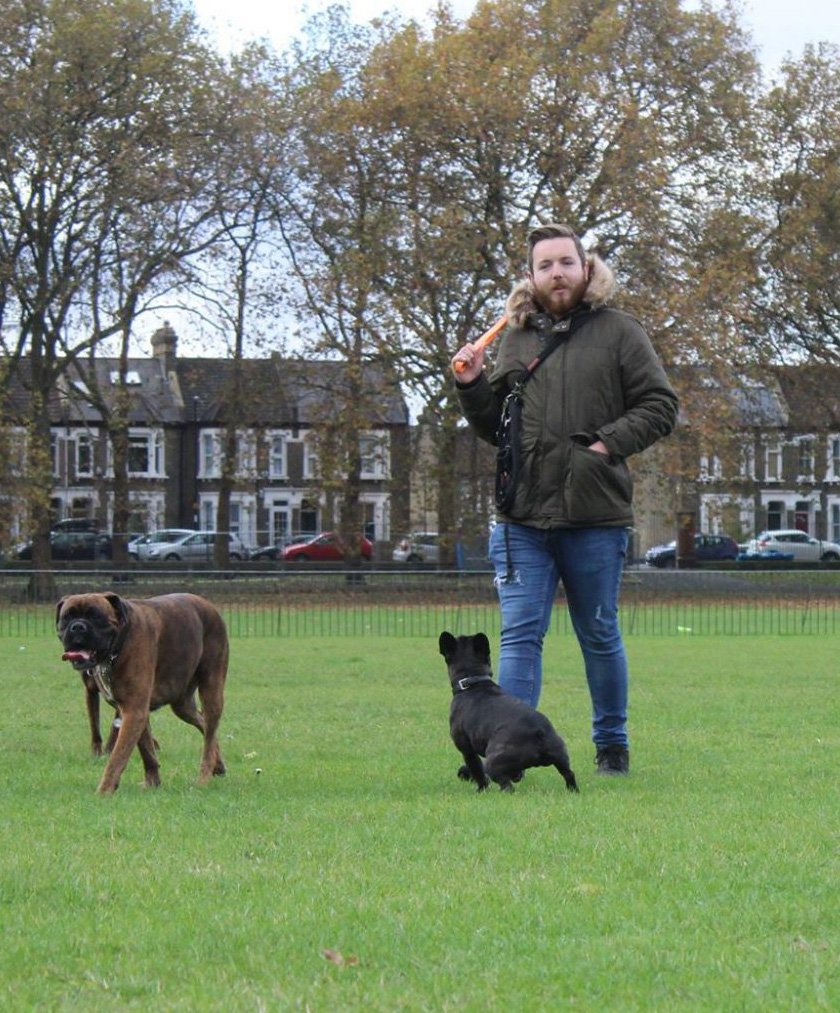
{"x":447,"y":644}
{"x":119,"y":606}
{"x":58,"y":609}
{"x":482,"y":645}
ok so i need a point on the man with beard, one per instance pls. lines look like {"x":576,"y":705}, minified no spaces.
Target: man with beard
{"x":599,"y":395}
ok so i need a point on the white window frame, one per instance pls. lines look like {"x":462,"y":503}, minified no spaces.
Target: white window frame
{"x":279,"y":509}
{"x":834,"y":520}
{"x":278,"y":453}
{"x":153,"y":438}
{"x":246,"y":454}
{"x":17,"y":445}
{"x":711,"y":468}
{"x":746,"y":460}
{"x":80,"y":438}
{"x":209,"y":453}
{"x":773,"y":452}
{"x":243,"y":514}
{"x":152,"y":504}
{"x":806,"y":457}
{"x":381,"y":510}
{"x":374,"y":451}
{"x":311,"y":460}
{"x":832,"y":462}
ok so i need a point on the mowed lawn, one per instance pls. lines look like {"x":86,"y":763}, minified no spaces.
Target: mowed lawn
{"x":341,"y":866}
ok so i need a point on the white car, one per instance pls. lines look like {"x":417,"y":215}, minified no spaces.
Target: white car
{"x":139,"y":548}
{"x":197,"y":545}
{"x":421,"y":547}
{"x":803,"y":547}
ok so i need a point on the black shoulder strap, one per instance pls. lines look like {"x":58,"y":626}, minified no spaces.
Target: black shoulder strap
{"x":563,"y":329}
{"x":508,"y":456}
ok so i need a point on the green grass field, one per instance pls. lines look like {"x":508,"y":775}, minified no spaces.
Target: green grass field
{"x":356,"y":873}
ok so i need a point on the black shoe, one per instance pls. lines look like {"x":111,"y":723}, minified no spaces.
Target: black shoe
{"x":613,"y":760}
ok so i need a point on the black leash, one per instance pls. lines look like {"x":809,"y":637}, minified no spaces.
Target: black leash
{"x":562,"y":330}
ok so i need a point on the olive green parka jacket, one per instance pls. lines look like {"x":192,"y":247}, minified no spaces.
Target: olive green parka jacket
{"x":604,"y":382}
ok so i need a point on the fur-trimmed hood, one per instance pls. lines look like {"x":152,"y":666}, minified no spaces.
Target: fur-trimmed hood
{"x":521,"y":301}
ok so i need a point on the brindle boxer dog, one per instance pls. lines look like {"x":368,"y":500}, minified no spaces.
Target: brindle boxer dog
{"x":144,"y":654}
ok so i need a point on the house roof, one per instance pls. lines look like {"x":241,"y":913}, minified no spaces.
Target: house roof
{"x":281,"y":391}
{"x":804,"y":398}
{"x":277,"y":392}
{"x":761,"y":404}
{"x":206,"y":388}
{"x":812,"y":394}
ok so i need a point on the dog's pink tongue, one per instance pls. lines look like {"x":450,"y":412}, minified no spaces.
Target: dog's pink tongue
{"x":75,"y":656}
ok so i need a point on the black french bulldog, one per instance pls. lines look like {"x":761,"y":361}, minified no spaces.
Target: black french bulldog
{"x":486,"y":721}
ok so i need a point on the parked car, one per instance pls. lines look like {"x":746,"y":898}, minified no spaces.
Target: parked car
{"x":196,"y":546}
{"x":748,"y":554}
{"x":69,"y":545}
{"x":139,"y":548}
{"x":327,"y":547}
{"x":77,"y":524}
{"x":271,"y":552}
{"x":706,"y":547}
{"x":803,"y":547}
{"x":420,"y":547}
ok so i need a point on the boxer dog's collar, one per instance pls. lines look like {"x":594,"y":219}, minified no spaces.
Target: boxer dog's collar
{"x":101,"y":675}
{"x":118,"y":644}
{"x":462,"y":685}
{"x":101,"y":671}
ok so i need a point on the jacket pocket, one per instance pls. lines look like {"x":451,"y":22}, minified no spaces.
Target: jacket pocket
{"x":598,"y":488}
{"x":527,"y":494}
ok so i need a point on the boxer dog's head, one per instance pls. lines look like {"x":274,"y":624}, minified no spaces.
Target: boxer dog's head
{"x":89,"y":626}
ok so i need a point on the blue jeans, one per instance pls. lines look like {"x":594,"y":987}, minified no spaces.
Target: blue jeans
{"x":529,"y":564}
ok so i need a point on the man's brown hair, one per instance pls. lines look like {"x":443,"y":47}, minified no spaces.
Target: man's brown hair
{"x":553,"y":231}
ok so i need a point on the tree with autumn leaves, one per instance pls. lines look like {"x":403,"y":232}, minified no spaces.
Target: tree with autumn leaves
{"x":631,"y":120}
{"x":799,"y":193}
{"x":399,"y":166}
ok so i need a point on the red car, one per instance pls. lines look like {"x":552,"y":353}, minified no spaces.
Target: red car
{"x":327,"y":547}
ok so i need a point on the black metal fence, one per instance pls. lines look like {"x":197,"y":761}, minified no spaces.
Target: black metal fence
{"x":323,"y":601}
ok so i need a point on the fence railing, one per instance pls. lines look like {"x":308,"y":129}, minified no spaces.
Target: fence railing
{"x":318,"y":601}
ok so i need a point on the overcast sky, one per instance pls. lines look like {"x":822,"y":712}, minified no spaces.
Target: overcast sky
{"x":778,"y":27}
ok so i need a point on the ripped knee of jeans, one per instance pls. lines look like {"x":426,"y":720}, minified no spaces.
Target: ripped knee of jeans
{"x":509,"y":577}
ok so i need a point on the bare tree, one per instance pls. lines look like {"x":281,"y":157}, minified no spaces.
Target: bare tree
{"x":105,"y":164}
{"x":336,"y":220}
{"x":253,"y":166}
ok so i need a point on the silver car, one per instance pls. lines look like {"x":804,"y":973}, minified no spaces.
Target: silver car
{"x":197,"y":546}
{"x":139,"y":548}
{"x":420,"y":547}
{"x":802,"y":546}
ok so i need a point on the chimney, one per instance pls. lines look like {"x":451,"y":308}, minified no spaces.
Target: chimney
{"x":165,"y":347}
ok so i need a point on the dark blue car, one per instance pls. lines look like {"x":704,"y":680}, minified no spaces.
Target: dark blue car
{"x":706,"y":547}
{"x":69,"y":545}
